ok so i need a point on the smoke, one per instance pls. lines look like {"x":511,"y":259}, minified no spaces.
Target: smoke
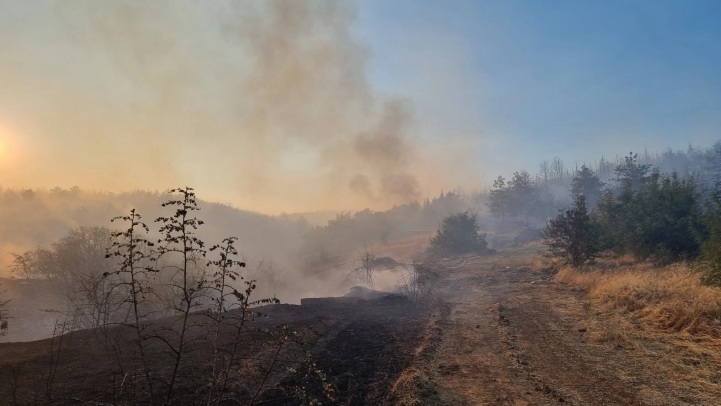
{"x":264,"y":103}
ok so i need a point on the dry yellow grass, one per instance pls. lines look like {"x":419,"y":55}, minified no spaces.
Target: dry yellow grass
{"x":670,"y":297}
{"x":664,"y":313}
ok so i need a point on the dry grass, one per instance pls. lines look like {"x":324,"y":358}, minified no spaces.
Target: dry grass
{"x":662,"y":313}
{"x":670,"y":298}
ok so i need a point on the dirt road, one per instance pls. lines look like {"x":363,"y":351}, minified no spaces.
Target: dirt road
{"x":503,"y":334}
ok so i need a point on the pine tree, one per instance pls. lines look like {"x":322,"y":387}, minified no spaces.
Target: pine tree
{"x":458,"y":234}
{"x":631,"y":176}
{"x":572,"y":236}
{"x":498,"y":201}
{"x":587,"y":183}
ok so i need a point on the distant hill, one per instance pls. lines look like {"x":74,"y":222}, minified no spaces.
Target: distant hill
{"x":32,"y":218}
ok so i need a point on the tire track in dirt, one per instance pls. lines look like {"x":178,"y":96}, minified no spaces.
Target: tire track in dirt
{"x":473,"y":363}
{"x":511,"y":336}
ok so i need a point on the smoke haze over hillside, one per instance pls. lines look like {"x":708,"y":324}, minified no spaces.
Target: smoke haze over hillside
{"x":265,"y":104}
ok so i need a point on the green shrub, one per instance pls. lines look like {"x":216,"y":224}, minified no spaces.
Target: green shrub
{"x":458,"y":234}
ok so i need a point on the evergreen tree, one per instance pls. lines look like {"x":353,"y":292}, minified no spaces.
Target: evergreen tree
{"x":587,"y":183}
{"x":523,"y":198}
{"x":662,"y":217}
{"x":657,"y":220}
{"x":608,"y":216}
{"x":632,"y":175}
{"x":458,"y":234}
{"x":498,"y":200}
{"x":572,"y":236}
{"x":709,"y":237}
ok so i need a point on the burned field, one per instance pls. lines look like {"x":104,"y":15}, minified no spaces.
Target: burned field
{"x":356,"y":347}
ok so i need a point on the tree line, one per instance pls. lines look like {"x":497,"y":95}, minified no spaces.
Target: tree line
{"x":533,"y":198}
{"x":642,"y":211}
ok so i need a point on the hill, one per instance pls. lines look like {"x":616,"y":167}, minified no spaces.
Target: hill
{"x":32,"y":218}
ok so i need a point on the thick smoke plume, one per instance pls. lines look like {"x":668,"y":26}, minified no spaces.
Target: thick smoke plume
{"x":265,"y":103}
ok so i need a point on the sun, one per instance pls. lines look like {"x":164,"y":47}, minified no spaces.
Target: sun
{"x":4,"y":140}
{"x":5,"y":146}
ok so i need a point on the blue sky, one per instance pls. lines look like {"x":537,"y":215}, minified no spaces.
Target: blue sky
{"x":577,"y":79}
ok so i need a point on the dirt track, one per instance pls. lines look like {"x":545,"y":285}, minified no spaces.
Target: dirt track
{"x":504,"y":334}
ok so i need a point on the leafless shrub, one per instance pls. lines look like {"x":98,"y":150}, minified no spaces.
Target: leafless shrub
{"x":56,"y":346}
{"x":364,"y":270}
{"x":415,"y":283}
{"x":226,"y":299}
{"x":132,"y":279}
{"x":185,"y":252}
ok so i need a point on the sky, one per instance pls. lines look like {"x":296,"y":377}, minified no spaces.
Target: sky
{"x":575,"y":79}
{"x":330,"y":105}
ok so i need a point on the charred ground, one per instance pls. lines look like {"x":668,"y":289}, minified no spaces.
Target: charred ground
{"x":360,"y":346}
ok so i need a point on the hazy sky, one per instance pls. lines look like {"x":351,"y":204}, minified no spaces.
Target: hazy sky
{"x":290,"y":105}
{"x":541,"y":78}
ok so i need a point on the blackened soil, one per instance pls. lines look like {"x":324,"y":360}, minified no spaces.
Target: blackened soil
{"x":361,"y":348}
{"x":368,"y":354}
{"x":358,"y":348}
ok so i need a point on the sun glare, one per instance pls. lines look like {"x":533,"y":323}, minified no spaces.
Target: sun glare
{"x":5,"y":146}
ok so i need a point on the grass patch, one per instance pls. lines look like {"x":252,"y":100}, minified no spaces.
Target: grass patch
{"x":662,"y":313}
{"x":670,"y":297}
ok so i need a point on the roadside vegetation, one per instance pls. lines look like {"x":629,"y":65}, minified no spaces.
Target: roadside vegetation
{"x":671,"y":297}
{"x":658,"y":234}
{"x":660,"y":217}
{"x":664,"y":313}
